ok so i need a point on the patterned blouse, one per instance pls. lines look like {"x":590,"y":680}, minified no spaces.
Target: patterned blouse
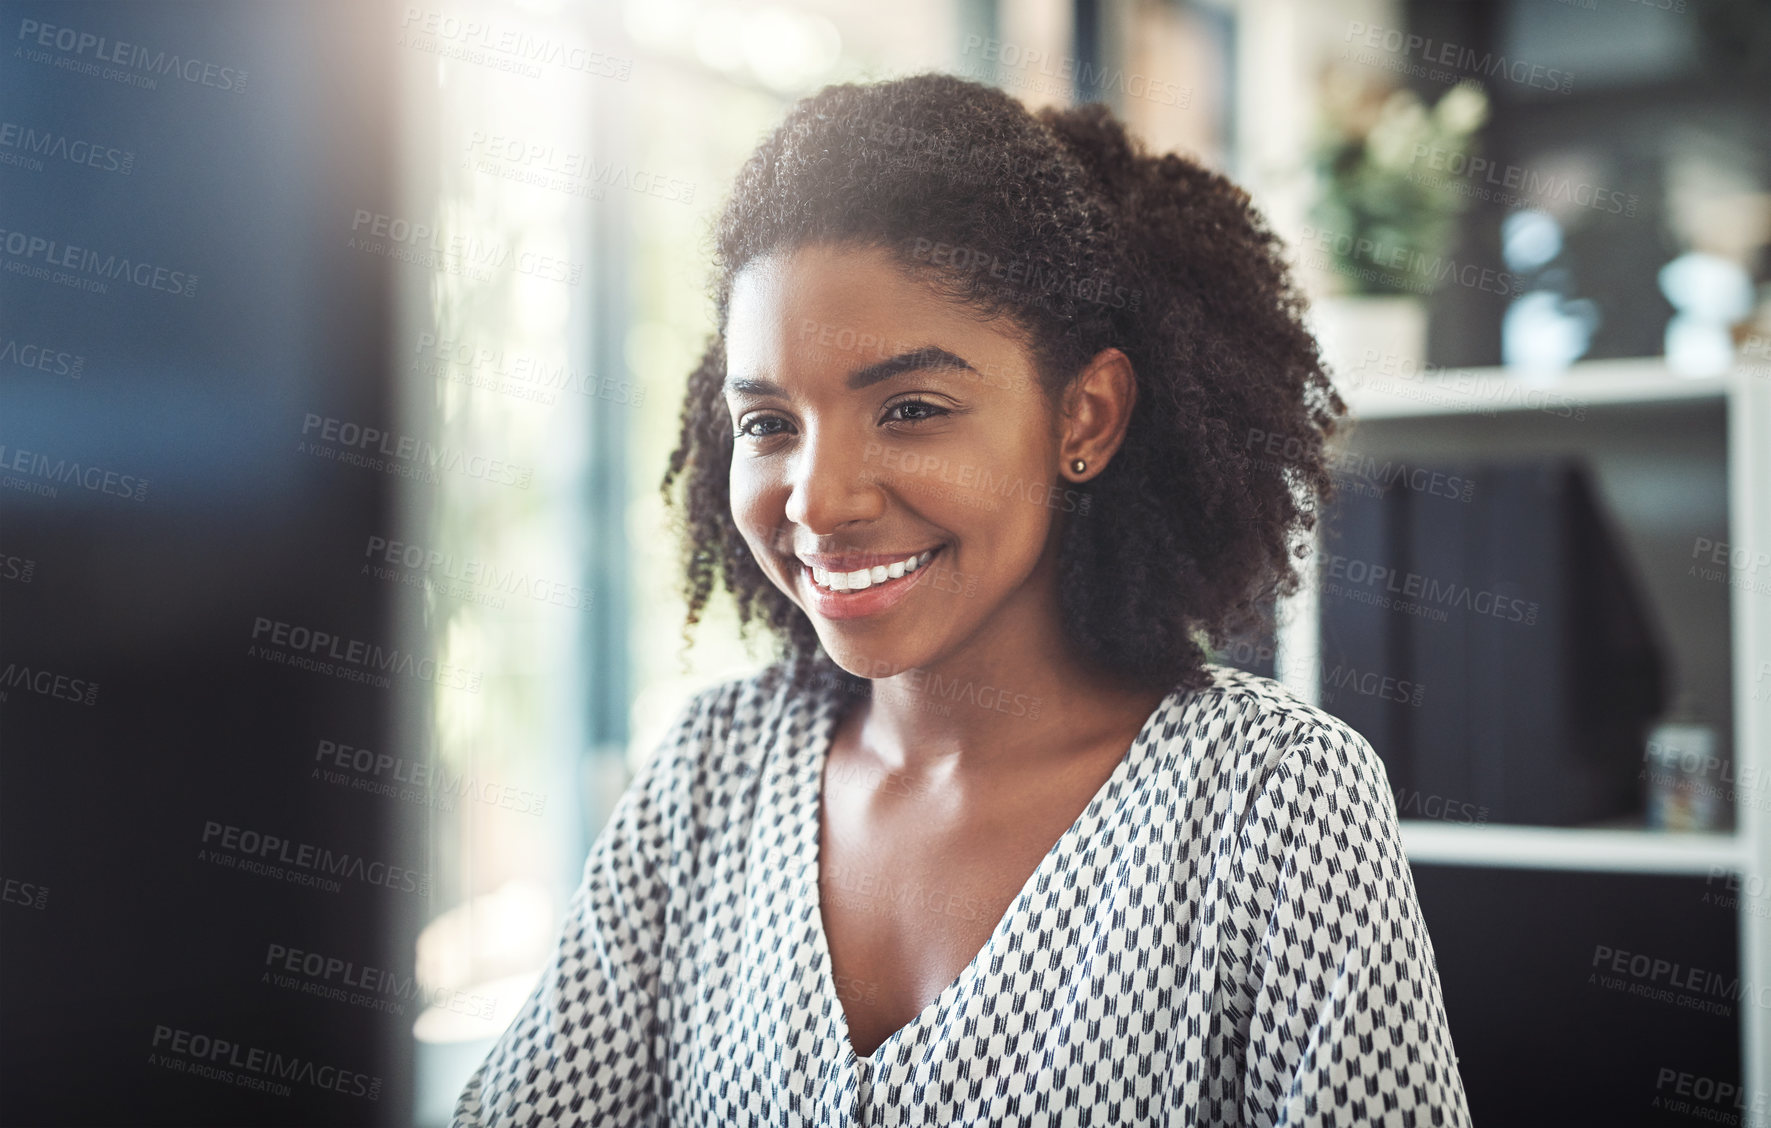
{"x":1227,"y":935}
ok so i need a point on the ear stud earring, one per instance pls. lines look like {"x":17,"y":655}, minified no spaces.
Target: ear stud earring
{"x":1079,"y":466}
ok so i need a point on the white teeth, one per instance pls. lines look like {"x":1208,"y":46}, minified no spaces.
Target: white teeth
{"x":862,"y":578}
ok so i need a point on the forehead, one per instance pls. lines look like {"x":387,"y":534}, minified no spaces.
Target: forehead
{"x":838,"y":306}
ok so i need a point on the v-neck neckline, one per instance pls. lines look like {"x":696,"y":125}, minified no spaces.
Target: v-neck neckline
{"x":810,"y":833}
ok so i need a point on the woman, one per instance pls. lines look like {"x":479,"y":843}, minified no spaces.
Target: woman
{"x":1002,"y":419}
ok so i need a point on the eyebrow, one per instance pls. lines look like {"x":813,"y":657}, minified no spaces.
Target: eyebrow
{"x":927,"y":357}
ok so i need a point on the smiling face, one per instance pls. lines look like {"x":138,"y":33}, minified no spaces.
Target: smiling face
{"x":897,"y":469}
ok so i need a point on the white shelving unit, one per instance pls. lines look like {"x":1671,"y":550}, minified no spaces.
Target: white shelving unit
{"x":1609,"y":394}
{"x":1488,"y":392}
{"x":1556,"y":847}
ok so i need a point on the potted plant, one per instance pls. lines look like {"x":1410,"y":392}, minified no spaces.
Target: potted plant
{"x":1388,"y":170}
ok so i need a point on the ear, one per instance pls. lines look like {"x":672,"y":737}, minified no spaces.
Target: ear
{"x":1097,"y":410}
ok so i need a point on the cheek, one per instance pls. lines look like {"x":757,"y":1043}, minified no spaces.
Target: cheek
{"x":994,"y":489}
{"x":757,"y":508}
{"x":1000,"y":508}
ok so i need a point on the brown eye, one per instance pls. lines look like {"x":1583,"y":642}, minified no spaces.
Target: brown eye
{"x":919,"y":411}
{"x":747,"y":429}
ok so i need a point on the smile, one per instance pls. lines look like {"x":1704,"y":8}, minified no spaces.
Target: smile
{"x":862,"y":578}
{"x":861,"y":592}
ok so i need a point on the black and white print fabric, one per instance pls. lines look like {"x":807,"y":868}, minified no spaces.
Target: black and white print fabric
{"x":1227,"y":935}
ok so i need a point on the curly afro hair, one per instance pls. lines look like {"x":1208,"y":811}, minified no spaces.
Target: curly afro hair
{"x":1062,"y":223}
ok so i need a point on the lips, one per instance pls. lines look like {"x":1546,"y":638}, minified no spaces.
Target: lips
{"x":858,"y":572}
{"x":823,"y":574}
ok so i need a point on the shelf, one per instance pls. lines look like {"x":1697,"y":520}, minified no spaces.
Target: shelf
{"x":1485,"y":413}
{"x":1570,"y":848}
{"x":1373,"y":393}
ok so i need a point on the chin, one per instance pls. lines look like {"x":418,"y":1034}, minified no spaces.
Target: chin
{"x":877,"y":660}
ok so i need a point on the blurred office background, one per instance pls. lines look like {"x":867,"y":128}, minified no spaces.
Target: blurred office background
{"x":341,"y":351}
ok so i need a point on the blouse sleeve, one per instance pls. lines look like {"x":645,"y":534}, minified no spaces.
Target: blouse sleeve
{"x":1349,"y":1021}
{"x":585,"y":1048}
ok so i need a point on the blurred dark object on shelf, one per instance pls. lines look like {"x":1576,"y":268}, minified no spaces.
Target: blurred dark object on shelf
{"x":1481,"y":625}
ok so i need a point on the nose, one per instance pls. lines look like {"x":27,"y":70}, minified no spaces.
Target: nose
{"x":831,"y":483}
